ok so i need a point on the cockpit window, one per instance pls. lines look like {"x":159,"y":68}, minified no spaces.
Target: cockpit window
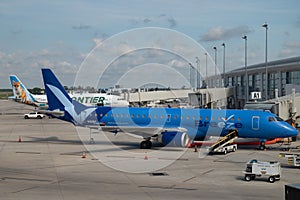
{"x":271,"y":119}
{"x":274,"y":119}
{"x":279,"y":119}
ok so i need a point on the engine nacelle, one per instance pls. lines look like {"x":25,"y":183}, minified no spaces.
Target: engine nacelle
{"x":173,"y":138}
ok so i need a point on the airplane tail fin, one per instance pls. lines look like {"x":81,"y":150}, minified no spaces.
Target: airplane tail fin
{"x":59,"y":100}
{"x":20,"y":91}
{"x":57,"y":97}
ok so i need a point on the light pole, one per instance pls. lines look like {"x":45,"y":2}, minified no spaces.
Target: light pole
{"x":198,"y":72}
{"x":215,"y":48}
{"x":205,"y":67}
{"x":246,"y":71}
{"x":224,"y":78}
{"x":191,"y":66}
{"x":265,"y":25}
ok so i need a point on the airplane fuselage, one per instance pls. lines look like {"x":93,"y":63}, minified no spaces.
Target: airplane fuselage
{"x":166,"y":124}
{"x":99,"y":99}
{"x":198,"y":122}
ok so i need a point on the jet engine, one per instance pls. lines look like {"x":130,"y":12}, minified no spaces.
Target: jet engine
{"x":173,"y":138}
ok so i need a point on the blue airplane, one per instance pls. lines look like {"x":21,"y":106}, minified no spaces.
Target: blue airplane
{"x":166,"y":125}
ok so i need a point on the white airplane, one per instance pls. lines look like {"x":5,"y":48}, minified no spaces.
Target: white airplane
{"x":21,"y":94}
{"x":99,"y":99}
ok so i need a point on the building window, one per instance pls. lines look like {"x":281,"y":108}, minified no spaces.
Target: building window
{"x":295,"y":77}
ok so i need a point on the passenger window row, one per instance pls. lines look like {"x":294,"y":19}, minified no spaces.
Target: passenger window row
{"x":143,"y":116}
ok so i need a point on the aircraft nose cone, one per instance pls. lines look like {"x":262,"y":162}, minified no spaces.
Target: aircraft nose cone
{"x":291,"y":131}
{"x":295,"y":132}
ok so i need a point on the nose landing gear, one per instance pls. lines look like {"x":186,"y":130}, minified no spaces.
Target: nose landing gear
{"x":146,"y":144}
{"x":262,"y":145}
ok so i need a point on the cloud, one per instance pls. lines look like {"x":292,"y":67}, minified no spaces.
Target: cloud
{"x":99,"y":38}
{"x":291,"y":48}
{"x":293,"y":45}
{"x":81,"y":27}
{"x":27,"y":65}
{"x":286,"y":33}
{"x":220,"y":33}
{"x":172,"y":22}
{"x":146,"y":20}
{"x":16,"y":31}
{"x":177,"y":63}
{"x":163,"y":19}
{"x":97,"y":41}
{"x":298,"y":22}
{"x":162,"y":15}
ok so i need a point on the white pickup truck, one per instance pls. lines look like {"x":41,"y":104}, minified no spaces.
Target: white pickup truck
{"x":34,"y":115}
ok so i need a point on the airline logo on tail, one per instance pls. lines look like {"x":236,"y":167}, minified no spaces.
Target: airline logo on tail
{"x":69,"y":107}
{"x":19,"y":90}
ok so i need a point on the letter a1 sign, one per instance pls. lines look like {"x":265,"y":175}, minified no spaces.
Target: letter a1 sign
{"x":256,"y":95}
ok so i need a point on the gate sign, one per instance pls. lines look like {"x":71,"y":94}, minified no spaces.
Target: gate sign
{"x":255,"y":95}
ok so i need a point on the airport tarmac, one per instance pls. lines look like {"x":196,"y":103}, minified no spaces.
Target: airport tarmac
{"x":48,"y":164}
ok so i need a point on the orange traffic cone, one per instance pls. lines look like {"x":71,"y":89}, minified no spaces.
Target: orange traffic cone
{"x":83,"y":155}
{"x":196,"y":149}
{"x":20,"y":140}
{"x":146,"y":156}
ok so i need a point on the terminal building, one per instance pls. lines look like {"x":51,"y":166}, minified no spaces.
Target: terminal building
{"x":229,"y":90}
{"x":283,"y":87}
{"x":282,"y":75}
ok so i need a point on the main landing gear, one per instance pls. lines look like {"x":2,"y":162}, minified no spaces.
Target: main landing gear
{"x":146,"y":144}
{"x":262,"y":145}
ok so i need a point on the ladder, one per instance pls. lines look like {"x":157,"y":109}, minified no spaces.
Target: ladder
{"x":223,"y":141}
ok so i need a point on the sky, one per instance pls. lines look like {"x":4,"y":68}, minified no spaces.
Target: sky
{"x":61,"y":34}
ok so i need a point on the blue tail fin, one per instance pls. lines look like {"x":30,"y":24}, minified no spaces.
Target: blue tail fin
{"x":20,"y":91}
{"x":58,"y":99}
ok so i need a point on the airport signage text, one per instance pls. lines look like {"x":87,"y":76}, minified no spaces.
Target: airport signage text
{"x":255,"y":95}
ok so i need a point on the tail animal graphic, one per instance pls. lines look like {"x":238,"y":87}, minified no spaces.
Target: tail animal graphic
{"x":19,"y":90}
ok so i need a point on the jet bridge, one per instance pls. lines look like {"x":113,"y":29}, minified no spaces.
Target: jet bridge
{"x":285,"y":106}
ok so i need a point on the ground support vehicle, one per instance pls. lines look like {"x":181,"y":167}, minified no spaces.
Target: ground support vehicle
{"x":293,"y":158}
{"x":226,"y":149}
{"x":255,"y":168}
{"x":224,"y":144}
{"x":34,"y":115}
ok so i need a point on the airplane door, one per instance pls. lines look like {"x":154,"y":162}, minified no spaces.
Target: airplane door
{"x":168,"y":118}
{"x":82,"y":116}
{"x":255,"y":122}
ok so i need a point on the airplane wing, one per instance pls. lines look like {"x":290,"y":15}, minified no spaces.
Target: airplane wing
{"x":14,"y":98}
{"x":52,"y":112}
{"x":141,"y":131}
